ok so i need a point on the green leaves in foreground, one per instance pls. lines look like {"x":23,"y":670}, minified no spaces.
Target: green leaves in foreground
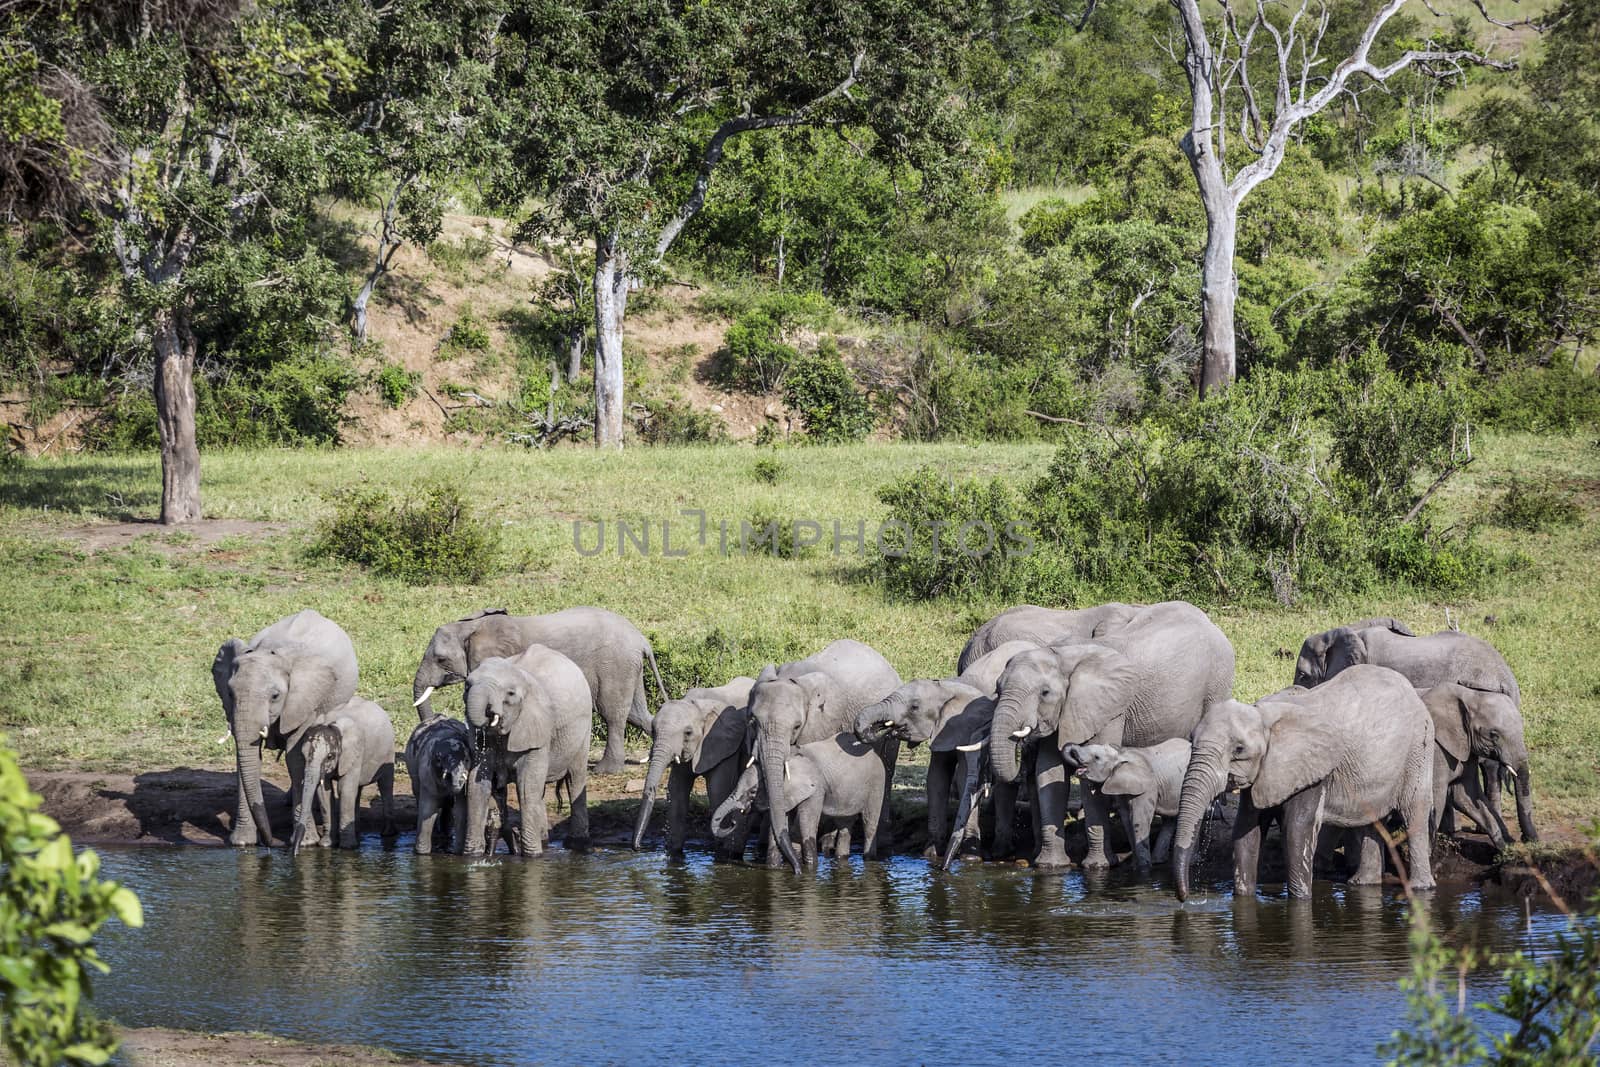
{"x":51,"y":905}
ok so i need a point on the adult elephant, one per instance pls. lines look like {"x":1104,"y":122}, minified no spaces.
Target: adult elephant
{"x":954,"y":716}
{"x":1148,"y":682}
{"x":1042,"y":626}
{"x":608,"y":649}
{"x":274,"y":688}
{"x":809,"y":700}
{"x":701,"y":734}
{"x":1311,"y":666}
{"x":1346,"y":753}
{"x":1445,"y":658}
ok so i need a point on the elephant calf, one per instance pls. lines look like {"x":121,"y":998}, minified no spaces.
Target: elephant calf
{"x":439,"y":759}
{"x":1143,"y":783}
{"x":703,"y":734}
{"x":1474,"y":728}
{"x":839,"y":778}
{"x":352,"y":750}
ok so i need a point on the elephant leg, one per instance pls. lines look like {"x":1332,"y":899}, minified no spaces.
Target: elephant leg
{"x":613,"y":707}
{"x":1465,"y":796}
{"x":531,"y":782}
{"x":869,"y":834}
{"x":1247,"y":833}
{"x":1005,"y":818}
{"x":1415,"y":811}
{"x":1302,"y":823}
{"x":578,"y":796}
{"x":941,"y":767}
{"x":1137,"y":815}
{"x":481,"y":794}
{"x":1163,"y":842}
{"x":891,"y":756}
{"x":386,"y":798}
{"x":348,"y":801}
{"x":427,"y":818}
{"x":680,"y":786}
{"x":1368,"y":848}
{"x":1050,"y":810}
{"x":458,"y":824}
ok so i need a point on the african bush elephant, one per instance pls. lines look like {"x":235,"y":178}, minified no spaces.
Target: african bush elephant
{"x":1440,"y":659}
{"x":1148,"y":682}
{"x":701,"y":734}
{"x":1042,"y":626}
{"x":1346,"y":753}
{"x":1311,"y":667}
{"x":439,"y":759}
{"x":352,"y":749}
{"x":608,"y":648}
{"x":1142,"y":782}
{"x":1471,"y":727}
{"x":533,"y":711}
{"x":809,"y":700}
{"x":274,"y":688}
{"x":838,"y":777}
{"x":954,"y":716}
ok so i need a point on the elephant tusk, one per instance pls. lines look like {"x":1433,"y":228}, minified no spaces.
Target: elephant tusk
{"x":1512,"y":771}
{"x":1020,"y":735}
{"x":264,"y":730}
{"x":426,"y":693}
{"x":752,"y":763}
{"x":970,"y":748}
{"x":224,"y":739}
{"x":494,"y":720}
{"x":786,"y":770}
{"x":888,"y":722}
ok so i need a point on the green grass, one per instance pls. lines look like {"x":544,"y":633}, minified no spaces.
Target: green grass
{"x":105,"y":657}
{"x":1018,"y":202}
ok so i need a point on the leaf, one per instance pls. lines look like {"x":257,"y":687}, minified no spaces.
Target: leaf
{"x":125,"y":903}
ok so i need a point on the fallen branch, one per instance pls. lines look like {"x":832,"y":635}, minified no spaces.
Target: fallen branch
{"x":1444,"y":476}
{"x":1053,"y":418}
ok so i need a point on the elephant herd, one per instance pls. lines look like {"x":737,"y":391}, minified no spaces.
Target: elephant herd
{"x":1380,"y":727}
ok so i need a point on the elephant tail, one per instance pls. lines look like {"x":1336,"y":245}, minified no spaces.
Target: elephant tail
{"x":650,"y":655}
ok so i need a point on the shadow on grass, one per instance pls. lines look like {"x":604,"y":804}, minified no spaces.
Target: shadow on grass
{"x":98,"y":488}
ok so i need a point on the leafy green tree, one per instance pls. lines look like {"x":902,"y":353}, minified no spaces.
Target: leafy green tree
{"x":622,"y":113}
{"x":51,"y":905}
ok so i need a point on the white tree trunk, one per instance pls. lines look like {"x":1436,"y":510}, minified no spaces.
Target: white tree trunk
{"x":1218,"y":288}
{"x":175,"y":407}
{"x":610,"y":305}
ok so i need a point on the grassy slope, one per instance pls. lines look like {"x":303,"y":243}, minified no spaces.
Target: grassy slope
{"x":104,"y":657}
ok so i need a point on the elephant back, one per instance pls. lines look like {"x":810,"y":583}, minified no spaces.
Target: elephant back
{"x":308,"y":631}
{"x":1443,"y":658}
{"x":860,"y":674}
{"x":368,"y":737}
{"x":1183,"y":663}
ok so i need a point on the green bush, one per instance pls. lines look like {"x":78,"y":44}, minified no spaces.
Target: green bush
{"x":671,"y":420}
{"x":1525,"y":506}
{"x":760,"y":343}
{"x":709,"y":661}
{"x":431,"y":539}
{"x":952,"y":538}
{"x":51,"y":905}
{"x":765,"y":534}
{"x":467,"y":334}
{"x":1555,"y":399}
{"x":457,"y":256}
{"x":820,"y":389}
{"x":767,"y":470}
{"x":396,"y":385}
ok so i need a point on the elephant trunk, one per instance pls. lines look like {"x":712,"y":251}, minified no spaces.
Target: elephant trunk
{"x":305,"y":825}
{"x":1202,"y":783}
{"x":249,"y":755}
{"x":774,"y":759}
{"x":422,"y":687}
{"x":1525,"y":801}
{"x":869,"y":725}
{"x":1002,"y":746}
{"x":652,"y":782}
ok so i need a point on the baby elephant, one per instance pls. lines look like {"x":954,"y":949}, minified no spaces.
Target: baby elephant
{"x":1143,"y":782}
{"x":838,"y":777}
{"x":439,"y":759}
{"x":355,"y":748}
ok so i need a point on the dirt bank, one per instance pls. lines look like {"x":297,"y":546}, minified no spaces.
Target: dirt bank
{"x":160,"y":1047}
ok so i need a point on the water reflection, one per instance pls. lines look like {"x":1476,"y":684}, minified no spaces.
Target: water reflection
{"x":615,"y":957}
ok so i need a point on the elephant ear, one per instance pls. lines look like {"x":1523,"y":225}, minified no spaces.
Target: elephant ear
{"x":724,"y":735}
{"x":1346,"y":648}
{"x":534,"y":722}
{"x":222,"y":672}
{"x":1302,"y":748}
{"x":312,"y":691}
{"x":959,"y":718}
{"x":768,"y":673}
{"x":800,"y":781}
{"x":1100,"y":686}
{"x":818,"y":688}
{"x":1447,"y":705}
{"x":1128,"y":778}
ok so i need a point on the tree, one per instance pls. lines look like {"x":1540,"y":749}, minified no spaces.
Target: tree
{"x":179,"y":126}
{"x":622,"y":112}
{"x":1217,"y":63}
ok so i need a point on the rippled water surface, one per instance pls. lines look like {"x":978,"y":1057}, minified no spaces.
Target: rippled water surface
{"x":617,"y":957}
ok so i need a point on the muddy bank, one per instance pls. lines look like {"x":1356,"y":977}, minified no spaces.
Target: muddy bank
{"x":161,"y":1047}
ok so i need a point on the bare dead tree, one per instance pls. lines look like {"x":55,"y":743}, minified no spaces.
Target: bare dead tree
{"x":1225,"y":95}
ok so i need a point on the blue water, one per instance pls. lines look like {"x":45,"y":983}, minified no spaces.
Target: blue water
{"x":615,"y":957}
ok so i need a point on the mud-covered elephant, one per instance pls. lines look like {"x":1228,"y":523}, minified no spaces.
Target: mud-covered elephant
{"x":609,"y":649}
{"x":1147,"y":682}
{"x":954,"y":716}
{"x":809,"y":700}
{"x":1142,"y":783}
{"x":274,"y":688}
{"x":352,"y":750}
{"x":1444,"y":658}
{"x":1349,"y":753}
{"x":838,"y":778}
{"x":1042,"y":626}
{"x":701,"y":734}
{"x":1473,"y":727}
{"x":439,"y":760}
{"x":533,"y":712}
{"x":1311,"y":667}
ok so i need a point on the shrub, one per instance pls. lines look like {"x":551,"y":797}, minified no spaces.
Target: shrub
{"x":820,"y":389}
{"x":951,"y":538}
{"x":767,"y":470}
{"x":396,"y":385}
{"x":432,"y":539}
{"x":456,"y":256}
{"x":51,"y":906}
{"x":467,"y":334}
{"x":709,"y":661}
{"x":760,"y":343}
{"x":1529,"y":507}
{"x":765,"y":534}
{"x":673,"y":421}
{"x":1555,"y":399}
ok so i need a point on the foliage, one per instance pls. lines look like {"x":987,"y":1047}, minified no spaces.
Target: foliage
{"x":820,"y":389}
{"x":670,"y":420}
{"x":51,"y":905}
{"x":767,"y":470}
{"x":709,"y":661}
{"x":420,"y":541}
{"x":1555,"y":399}
{"x":951,"y":537}
{"x":761,"y":343}
{"x":396,"y":385}
{"x":1526,"y":506}
{"x":467,"y":334}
